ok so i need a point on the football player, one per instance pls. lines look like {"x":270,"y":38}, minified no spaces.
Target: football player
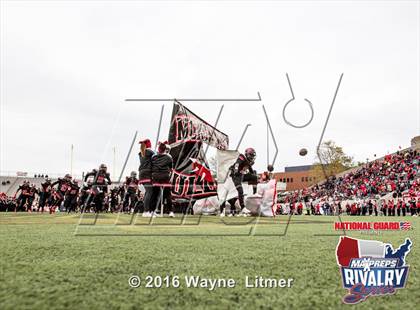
{"x":100,"y":182}
{"x":242,"y":171}
{"x":131,"y":186}
{"x":62,"y":186}
{"x":44,"y":194}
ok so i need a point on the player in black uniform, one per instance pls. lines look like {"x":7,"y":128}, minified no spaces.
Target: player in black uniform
{"x":100,"y":184}
{"x":87,"y":192}
{"x":58,"y":195}
{"x":241,"y":171}
{"x":145,"y":174}
{"x":44,"y":194}
{"x":70,"y":201}
{"x":84,"y":194}
{"x":162,"y":164}
{"x":32,"y":192}
{"x":23,"y":198}
{"x":121,"y":194}
{"x":113,"y":198}
{"x":131,"y":185}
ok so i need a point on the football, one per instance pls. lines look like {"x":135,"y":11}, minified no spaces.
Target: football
{"x":303,"y":152}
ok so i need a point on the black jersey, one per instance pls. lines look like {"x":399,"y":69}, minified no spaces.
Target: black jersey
{"x":145,"y":169}
{"x":24,"y":190}
{"x":131,"y":184}
{"x":62,"y":187}
{"x":33,"y":191}
{"x":46,"y":187}
{"x":73,"y":189}
{"x":114,"y":193}
{"x":100,"y":178}
{"x":241,"y":166}
{"x":161,"y":168}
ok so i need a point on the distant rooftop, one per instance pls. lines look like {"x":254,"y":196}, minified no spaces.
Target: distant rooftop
{"x":297,"y":168}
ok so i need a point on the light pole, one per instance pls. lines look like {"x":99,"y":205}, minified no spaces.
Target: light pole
{"x":268,"y":147}
{"x":113,"y":164}
{"x":71,"y":159}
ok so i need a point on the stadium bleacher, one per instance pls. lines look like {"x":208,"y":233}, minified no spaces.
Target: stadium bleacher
{"x":395,"y":173}
{"x":9,"y":185}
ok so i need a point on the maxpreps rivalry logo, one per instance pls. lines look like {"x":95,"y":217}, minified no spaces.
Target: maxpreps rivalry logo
{"x":371,"y":268}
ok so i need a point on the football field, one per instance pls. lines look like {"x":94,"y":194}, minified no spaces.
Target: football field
{"x":62,"y":261}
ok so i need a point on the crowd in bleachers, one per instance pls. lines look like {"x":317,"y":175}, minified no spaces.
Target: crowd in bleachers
{"x":389,"y":186}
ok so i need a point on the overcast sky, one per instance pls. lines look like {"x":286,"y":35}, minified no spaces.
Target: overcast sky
{"x":66,"y":68}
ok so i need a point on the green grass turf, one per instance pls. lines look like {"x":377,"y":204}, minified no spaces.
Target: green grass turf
{"x":49,"y":261}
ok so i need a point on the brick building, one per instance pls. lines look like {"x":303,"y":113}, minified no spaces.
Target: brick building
{"x":296,"y":177}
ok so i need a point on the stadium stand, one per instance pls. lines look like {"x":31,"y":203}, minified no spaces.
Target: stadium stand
{"x":393,"y":179}
{"x":6,"y":183}
{"x":9,"y":185}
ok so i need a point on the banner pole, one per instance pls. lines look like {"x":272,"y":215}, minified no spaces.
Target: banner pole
{"x":160,"y":124}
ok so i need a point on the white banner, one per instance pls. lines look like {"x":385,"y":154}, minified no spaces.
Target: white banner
{"x":225,"y":159}
{"x":269,"y":197}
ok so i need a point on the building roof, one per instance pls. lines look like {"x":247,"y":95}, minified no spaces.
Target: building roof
{"x":297,"y":168}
